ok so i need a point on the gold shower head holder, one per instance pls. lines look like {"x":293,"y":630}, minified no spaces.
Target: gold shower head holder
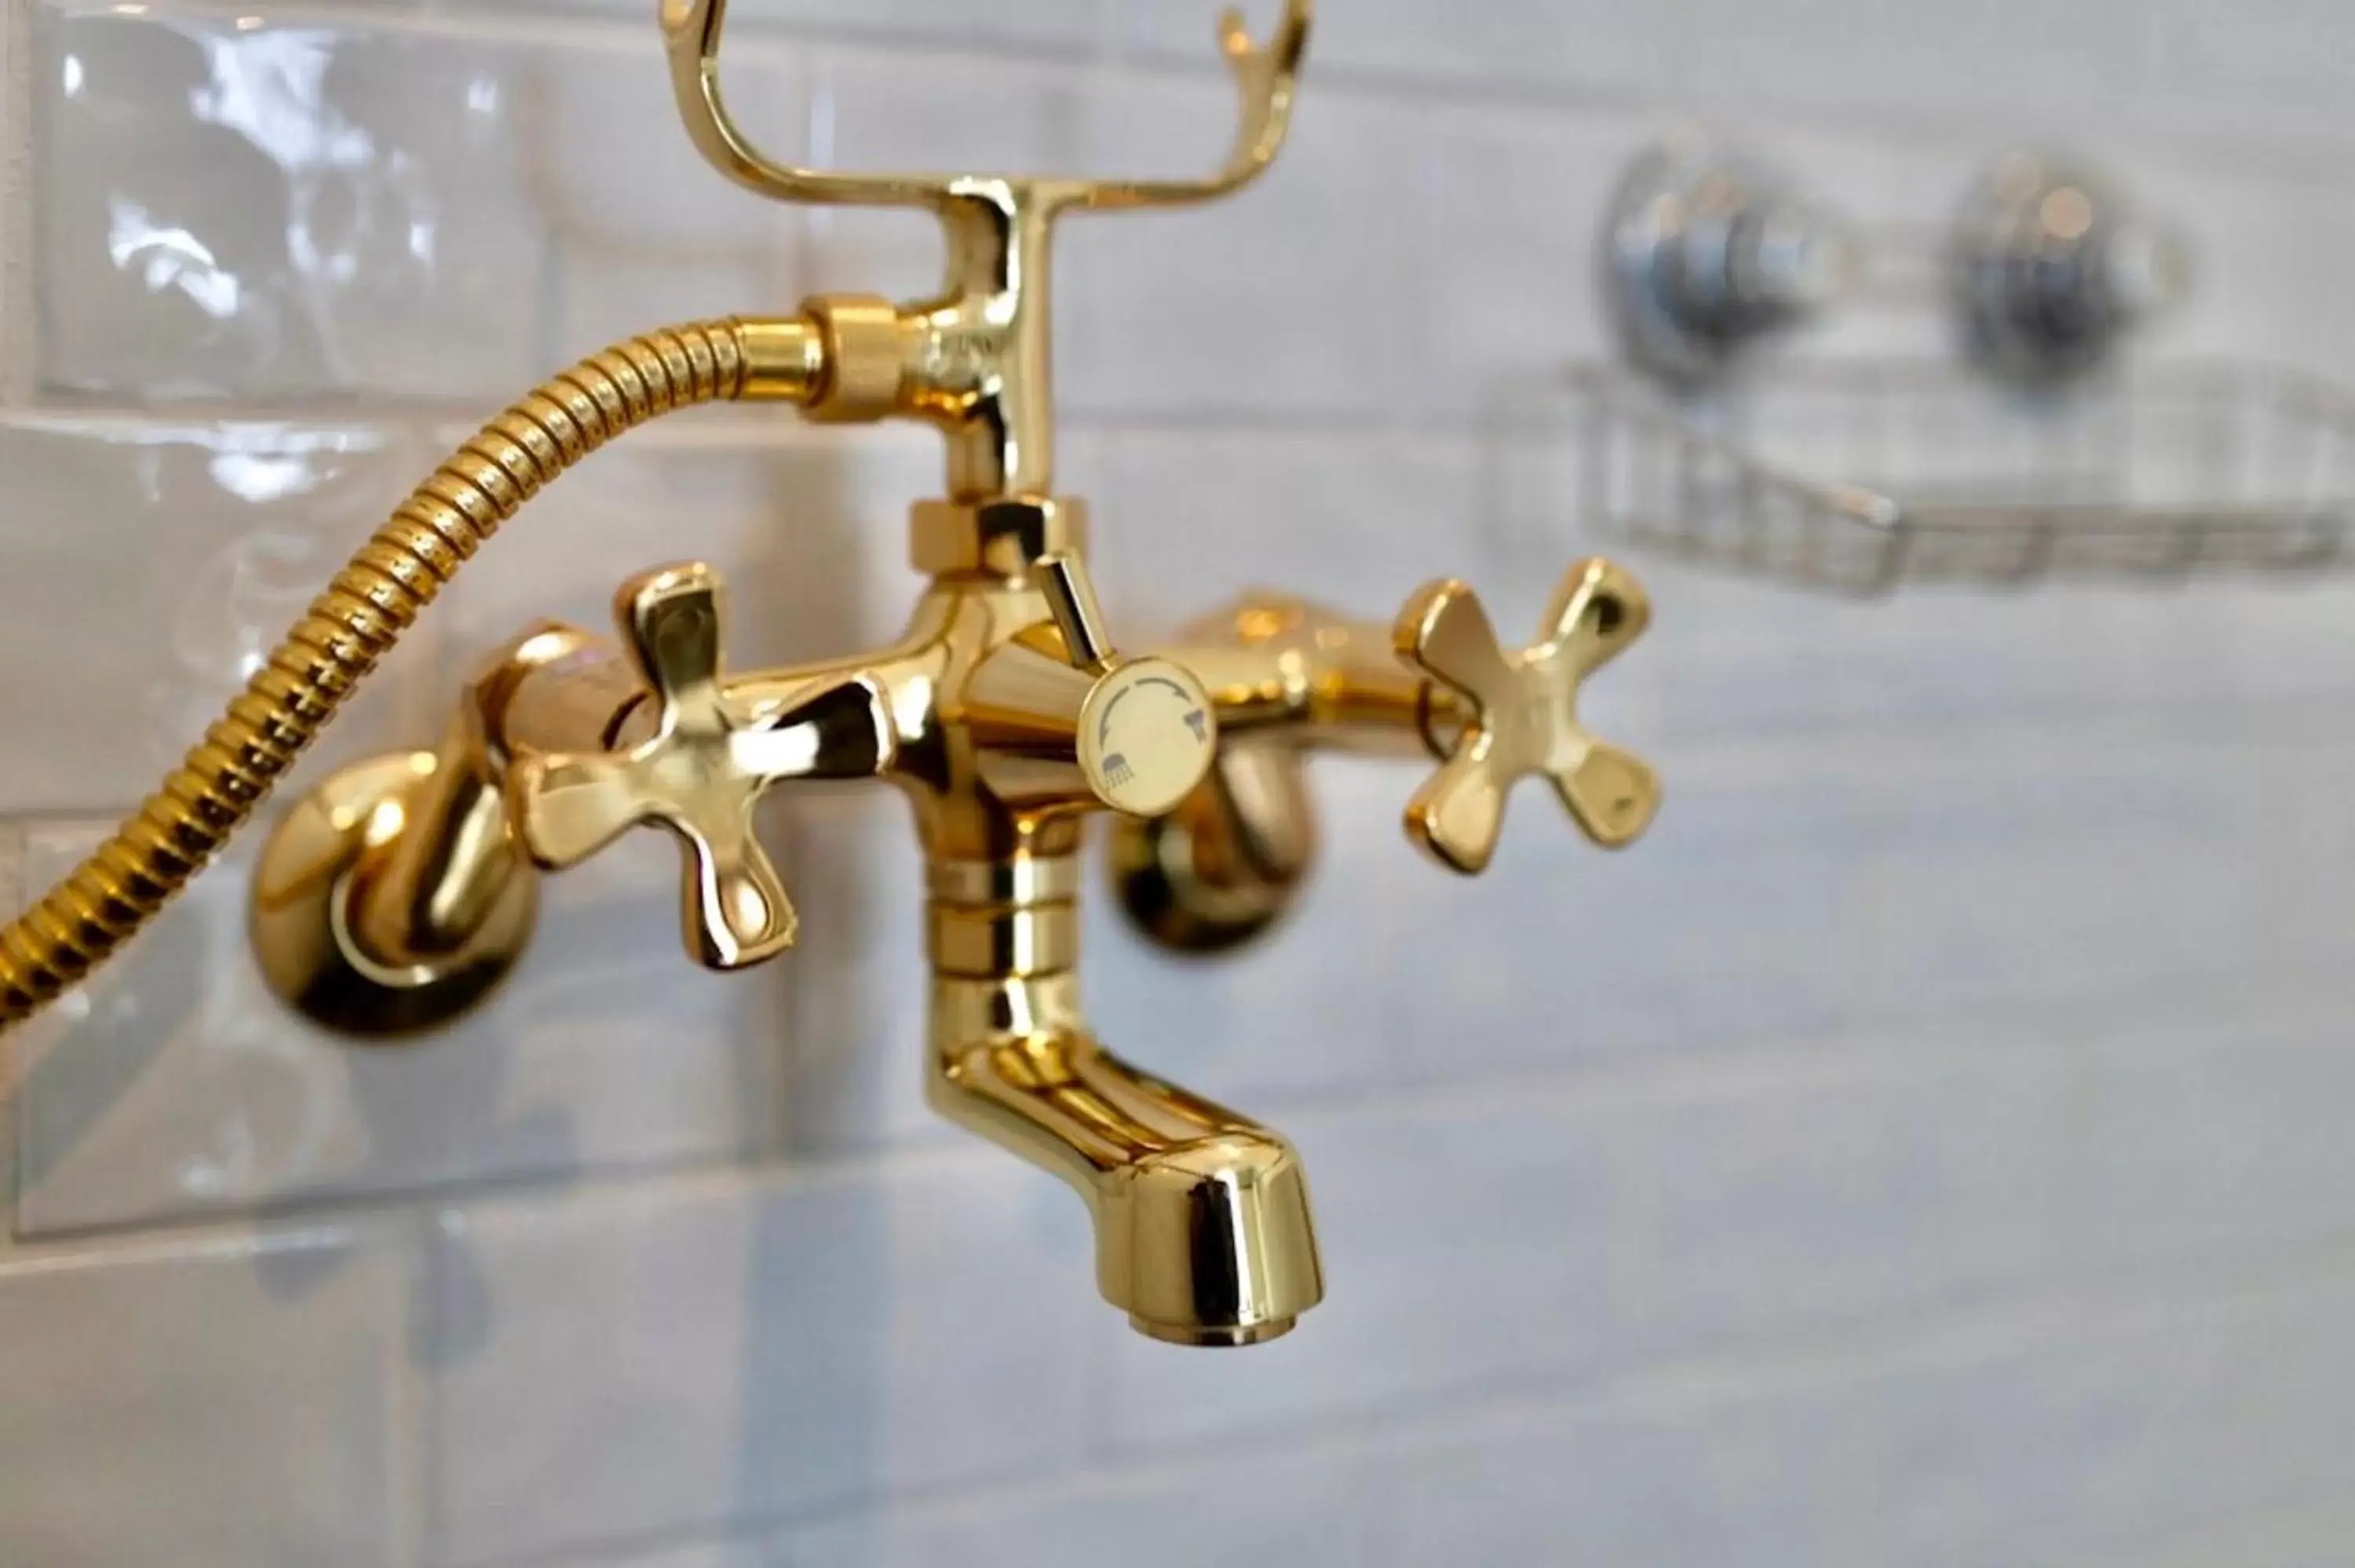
{"x":1265,"y":76}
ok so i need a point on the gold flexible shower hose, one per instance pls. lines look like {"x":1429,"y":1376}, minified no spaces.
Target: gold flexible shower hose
{"x":377,"y":596}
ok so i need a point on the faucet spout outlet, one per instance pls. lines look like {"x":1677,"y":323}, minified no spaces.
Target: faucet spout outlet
{"x":1203,"y":1231}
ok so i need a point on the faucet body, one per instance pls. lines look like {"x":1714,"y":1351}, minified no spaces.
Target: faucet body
{"x":397,"y":894}
{"x":1203,"y":1229}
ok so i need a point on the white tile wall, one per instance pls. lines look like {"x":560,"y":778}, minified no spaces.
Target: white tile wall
{"x":760,"y":1347}
{"x":226,"y":1401}
{"x":174,"y":1084}
{"x":1923,"y":1149}
{"x":171,"y":557}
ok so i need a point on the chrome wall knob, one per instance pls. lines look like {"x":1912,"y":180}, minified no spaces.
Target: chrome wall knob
{"x":2049,"y":269}
{"x":1708,"y":252}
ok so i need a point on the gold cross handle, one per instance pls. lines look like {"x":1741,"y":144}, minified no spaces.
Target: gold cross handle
{"x":1520,"y":712}
{"x":703,"y":769}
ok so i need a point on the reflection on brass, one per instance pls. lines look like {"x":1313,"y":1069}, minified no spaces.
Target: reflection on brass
{"x":1288,"y":677}
{"x":400,"y":892}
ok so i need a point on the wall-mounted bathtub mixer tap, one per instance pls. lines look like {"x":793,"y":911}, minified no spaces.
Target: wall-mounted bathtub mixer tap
{"x":1708,"y":252}
{"x":396,"y":894}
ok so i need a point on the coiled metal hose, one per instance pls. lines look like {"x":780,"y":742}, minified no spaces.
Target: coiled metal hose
{"x":375,"y":597}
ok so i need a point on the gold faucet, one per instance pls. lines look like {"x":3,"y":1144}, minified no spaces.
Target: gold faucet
{"x":397,"y":894}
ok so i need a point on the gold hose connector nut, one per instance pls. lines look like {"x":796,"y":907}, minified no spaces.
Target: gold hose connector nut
{"x":868,"y":350}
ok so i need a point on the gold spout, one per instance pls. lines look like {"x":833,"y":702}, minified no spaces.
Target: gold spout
{"x":1203,"y":1231}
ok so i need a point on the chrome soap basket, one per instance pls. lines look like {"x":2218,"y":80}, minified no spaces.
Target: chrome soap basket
{"x":2041,"y":454}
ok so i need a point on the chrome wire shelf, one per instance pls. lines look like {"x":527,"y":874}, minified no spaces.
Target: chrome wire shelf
{"x":1860,"y":477}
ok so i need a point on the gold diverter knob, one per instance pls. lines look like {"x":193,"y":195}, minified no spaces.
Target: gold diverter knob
{"x":1520,"y":714}
{"x":704,"y":769}
{"x":1145,"y":734}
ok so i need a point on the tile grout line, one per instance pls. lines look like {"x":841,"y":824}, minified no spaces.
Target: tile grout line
{"x":18,"y":318}
{"x":414,"y":1396}
{"x":1856,"y":1051}
{"x":13,"y":1074}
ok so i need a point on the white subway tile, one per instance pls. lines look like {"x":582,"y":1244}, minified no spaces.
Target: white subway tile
{"x":1307,"y":295}
{"x":873,"y":110}
{"x":174,"y":1083}
{"x":2307,"y":850}
{"x":2314,"y":1536}
{"x":2045,"y":1442}
{"x":168,"y":560}
{"x":712,"y":1354}
{"x":637,"y":231}
{"x":2062,"y":870}
{"x":1308,"y":1010}
{"x":2290,"y":643}
{"x":2256,"y":249}
{"x":1520,"y":196}
{"x":2259,"y":70}
{"x":2222,"y":1138}
{"x":1771,"y":1200}
{"x":856,"y":980}
{"x":1465,"y":1249}
{"x":1757,"y":1477}
{"x":2038,"y":1447}
{"x":1595,"y":47}
{"x":2282,"y":1407}
{"x":231,"y":1401}
{"x":1186,"y":521}
{"x":1744,"y":660}
{"x":373,"y":209}
{"x":710,"y":1554}
{"x":1999,"y":63}
{"x":809,"y":530}
{"x":1732,"y":923}
{"x":277,"y":211}
{"x":1306,"y":1507}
